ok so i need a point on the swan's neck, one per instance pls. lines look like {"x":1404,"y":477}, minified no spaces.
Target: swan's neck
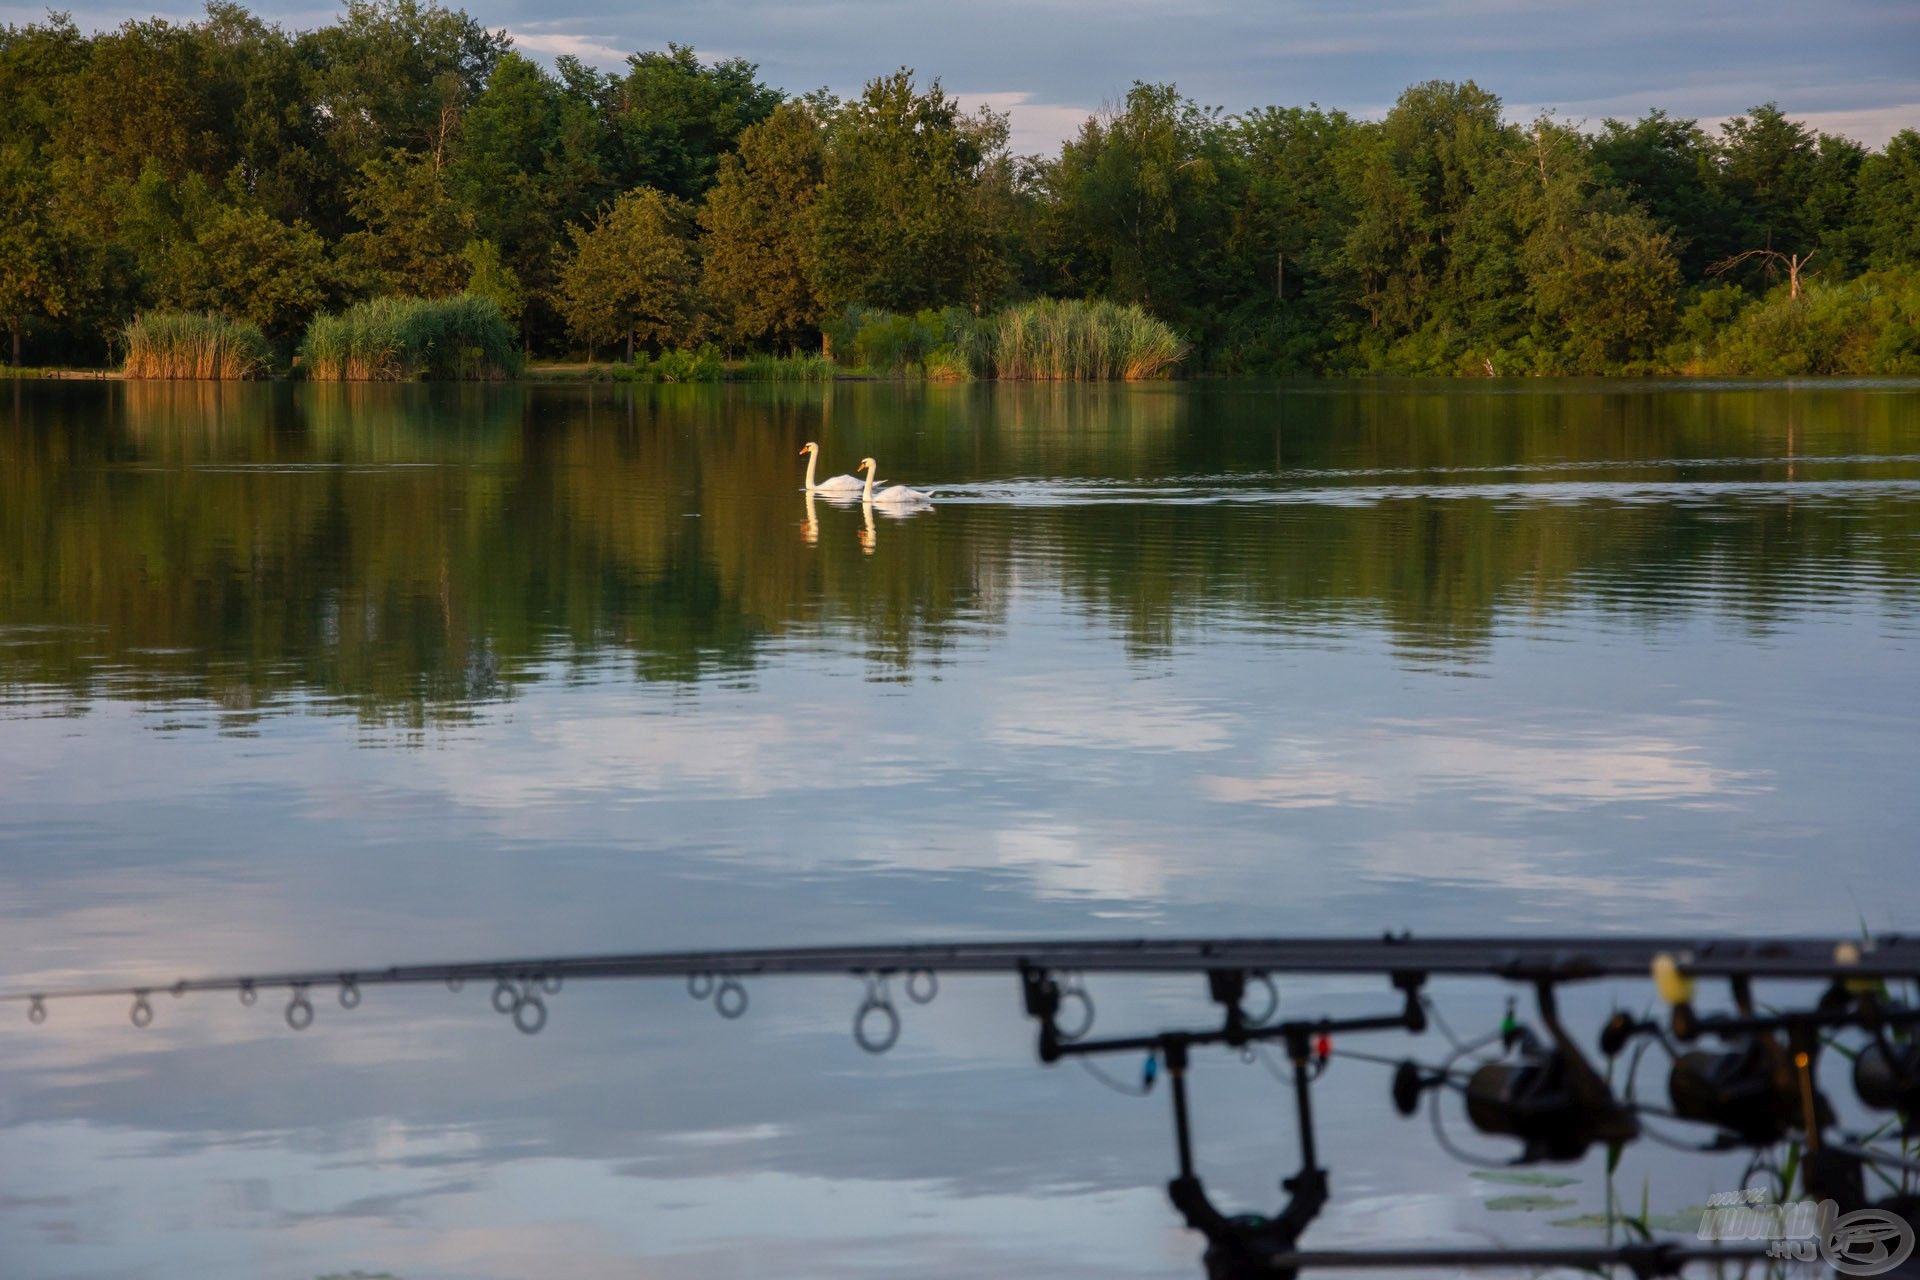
{"x":812,"y":458}
{"x":866,"y":494}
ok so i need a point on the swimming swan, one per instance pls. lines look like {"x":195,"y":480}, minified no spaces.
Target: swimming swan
{"x":834,"y":484}
{"x":896,"y":496}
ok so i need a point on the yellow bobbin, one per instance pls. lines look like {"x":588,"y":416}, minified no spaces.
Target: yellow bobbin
{"x":1674,"y":986}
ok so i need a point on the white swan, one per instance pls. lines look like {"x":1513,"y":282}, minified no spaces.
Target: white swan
{"x":833,"y":484}
{"x":896,"y":496}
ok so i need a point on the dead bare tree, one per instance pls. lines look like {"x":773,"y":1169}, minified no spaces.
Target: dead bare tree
{"x":1773,"y":260}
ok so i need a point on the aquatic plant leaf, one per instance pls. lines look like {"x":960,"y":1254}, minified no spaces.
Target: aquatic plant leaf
{"x":1535,"y":1203}
{"x":1685,"y":1221}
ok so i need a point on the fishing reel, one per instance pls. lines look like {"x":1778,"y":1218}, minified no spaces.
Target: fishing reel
{"x":1751,"y":1092}
{"x":1543,"y":1092}
{"x":1887,"y":1078}
{"x":1548,"y":1098}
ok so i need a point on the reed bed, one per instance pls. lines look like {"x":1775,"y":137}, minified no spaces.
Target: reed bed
{"x":405,"y":339}
{"x":809,"y":368}
{"x":1048,"y":340}
{"x":194,"y":344}
{"x":1058,"y":340}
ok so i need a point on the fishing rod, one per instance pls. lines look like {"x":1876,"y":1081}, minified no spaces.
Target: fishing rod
{"x":1540,"y":1088}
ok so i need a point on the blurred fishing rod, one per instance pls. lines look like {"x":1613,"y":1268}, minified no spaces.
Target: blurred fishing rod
{"x":1756,"y":1090}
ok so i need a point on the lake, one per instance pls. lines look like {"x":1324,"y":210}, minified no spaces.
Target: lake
{"x":324,"y":676}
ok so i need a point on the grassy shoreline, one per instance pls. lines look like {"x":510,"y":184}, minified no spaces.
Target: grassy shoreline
{"x":569,"y":372}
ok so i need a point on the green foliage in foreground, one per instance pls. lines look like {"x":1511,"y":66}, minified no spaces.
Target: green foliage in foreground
{"x":405,"y":339}
{"x":194,"y":344}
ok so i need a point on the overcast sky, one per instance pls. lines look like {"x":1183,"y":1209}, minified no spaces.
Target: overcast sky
{"x":1848,"y":66}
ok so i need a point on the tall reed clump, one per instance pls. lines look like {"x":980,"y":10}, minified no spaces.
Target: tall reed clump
{"x":194,"y":344}
{"x":1057,"y":340}
{"x":403,"y":339}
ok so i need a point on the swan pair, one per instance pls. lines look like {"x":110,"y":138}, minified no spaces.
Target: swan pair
{"x":845,"y":486}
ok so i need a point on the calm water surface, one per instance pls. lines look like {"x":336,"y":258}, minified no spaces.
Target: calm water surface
{"x":296,"y":676}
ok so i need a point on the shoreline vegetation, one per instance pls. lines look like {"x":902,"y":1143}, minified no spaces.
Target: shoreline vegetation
{"x":466,"y":338}
{"x":394,"y":339}
{"x":194,"y":345}
{"x":402,"y":195}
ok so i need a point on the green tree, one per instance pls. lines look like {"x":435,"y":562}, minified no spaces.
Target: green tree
{"x":1671,"y":167}
{"x":247,"y":264}
{"x":490,"y":278}
{"x":1432,"y":257}
{"x":413,"y":230}
{"x":1143,"y":202}
{"x":39,"y":63}
{"x":1829,"y":212}
{"x":36,"y":253}
{"x":897,"y":224}
{"x":675,"y":117}
{"x":757,"y":251}
{"x":1382,"y":262}
{"x":157,"y":221}
{"x":633,"y":274}
{"x":1605,"y":285}
{"x":262,"y":92}
{"x":1767,"y":167}
{"x":527,"y":163}
{"x":141,"y":103}
{"x":1293,"y":209}
{"x":397,"y":74}
{"x":1889,"y":195}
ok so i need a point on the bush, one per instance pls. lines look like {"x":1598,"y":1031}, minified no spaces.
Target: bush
{"x":891,"y":343}
{"x":1869,"y":325}
{"x":703,"y":365}
{"x":947,"y":364}
{"x":888,"y":342}
{"x":194,"y":344}
{"x":397,"y":339}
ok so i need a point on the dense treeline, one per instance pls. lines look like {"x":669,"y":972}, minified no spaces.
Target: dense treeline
{"x":229,"y":166}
